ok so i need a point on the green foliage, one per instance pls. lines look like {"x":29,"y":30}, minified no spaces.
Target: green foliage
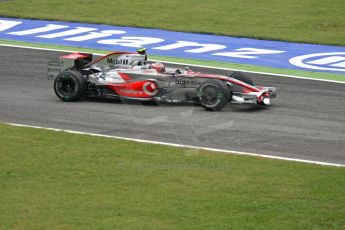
{"x":311,"y":21}
{"x":55,"y":180}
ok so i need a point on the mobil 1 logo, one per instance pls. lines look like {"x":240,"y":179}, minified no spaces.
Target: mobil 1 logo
{"x":115,"y":61}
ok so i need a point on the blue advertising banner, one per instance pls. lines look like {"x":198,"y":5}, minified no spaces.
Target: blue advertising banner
{"x":178,"y":44}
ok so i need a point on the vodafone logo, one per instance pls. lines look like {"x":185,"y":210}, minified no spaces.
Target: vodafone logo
{"x":150,"y":88}
{"x":334,"y":61}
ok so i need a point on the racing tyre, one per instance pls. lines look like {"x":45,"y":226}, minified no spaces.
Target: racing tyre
{"x":213,"y":94}
{"x":70,"y":85}
{"x":240,"y":76}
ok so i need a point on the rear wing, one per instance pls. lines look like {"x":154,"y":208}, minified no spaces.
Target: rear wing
{"x":69,"y":61}
{"x":84,"y":60}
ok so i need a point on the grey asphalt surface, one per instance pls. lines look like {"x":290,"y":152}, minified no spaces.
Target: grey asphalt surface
{"x":306,"y":120}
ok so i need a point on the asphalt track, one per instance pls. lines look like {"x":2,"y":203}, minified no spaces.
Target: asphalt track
{"x":306,"y":120}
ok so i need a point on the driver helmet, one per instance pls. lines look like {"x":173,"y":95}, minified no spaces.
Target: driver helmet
{"x":141,"y":51}
{"x":159,"y":67}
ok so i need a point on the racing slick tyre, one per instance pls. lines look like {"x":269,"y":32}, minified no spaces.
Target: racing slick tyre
{"x":240,"y":76}
{"x":70,"y":85}
{"x":213,"y":94}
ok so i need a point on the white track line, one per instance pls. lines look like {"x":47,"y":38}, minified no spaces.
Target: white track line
{"x":179,"y":63}
{"x":181,"y":146}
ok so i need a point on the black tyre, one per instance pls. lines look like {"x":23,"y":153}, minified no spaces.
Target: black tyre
{"x":70,"y":85}
{"x":240,"y":76}
{"x":213,"y":94}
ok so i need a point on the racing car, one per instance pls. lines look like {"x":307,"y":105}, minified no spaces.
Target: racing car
{"x":128,"y":75}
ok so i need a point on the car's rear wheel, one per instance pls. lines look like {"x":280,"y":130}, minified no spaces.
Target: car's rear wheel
{"x":70,"y":85}
{"x":213,"y":94}
{"x":240,"y":76}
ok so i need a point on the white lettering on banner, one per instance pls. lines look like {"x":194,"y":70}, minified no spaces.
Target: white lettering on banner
{"x":78,"y":30}
{"x":337,"y":61}
{"x":182,"y":44}
{"x":46,"y":28}
{"x":93,"y":35}
{"x":131,"y":41}
{"x":321,"y":61}
{"x":80,"y":34}
{"x":340,"y":64}
{"x":5,"y":24}
{"x":245,"y":52}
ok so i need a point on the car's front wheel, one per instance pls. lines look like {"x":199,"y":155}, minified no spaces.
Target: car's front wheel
{"x":213,"y":94}
{"x":240,"y":76}
{"x":70,"y":85}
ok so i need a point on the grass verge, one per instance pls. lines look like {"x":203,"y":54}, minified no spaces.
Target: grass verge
{"x":56,"y":180}
{"x":234,"y":66}
{"x":310,"y":21}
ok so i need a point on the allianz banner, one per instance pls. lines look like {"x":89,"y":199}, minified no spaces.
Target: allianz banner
{"x":178,"y":44}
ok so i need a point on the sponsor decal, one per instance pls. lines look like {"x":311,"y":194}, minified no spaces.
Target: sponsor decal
{"x":150,"y":88}
{"x":185,"y":83}
{"x":131,"y":92}
{"x":54,"y":69}
{"x":143,"y":89}
{"x":115,"y":61}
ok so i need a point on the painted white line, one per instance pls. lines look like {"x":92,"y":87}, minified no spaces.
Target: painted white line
{"x":180,"y":63}
{"x":181,"y":146}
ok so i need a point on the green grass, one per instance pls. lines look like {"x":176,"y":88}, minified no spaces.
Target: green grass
{"x":56,"y":180}
{"x":311,"y":21}
{"x":234,"y":66}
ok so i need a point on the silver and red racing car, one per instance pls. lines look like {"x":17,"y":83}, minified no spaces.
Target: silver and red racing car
{"x":128,"y":75}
